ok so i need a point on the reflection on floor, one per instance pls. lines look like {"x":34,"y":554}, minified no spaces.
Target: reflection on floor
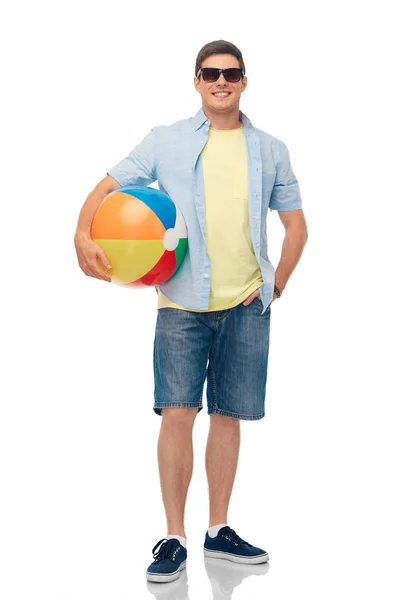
{"x":224,"y":577}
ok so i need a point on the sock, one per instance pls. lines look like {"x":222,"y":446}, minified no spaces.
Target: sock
{"x":212,"y":531}
{"x":181,"y":539}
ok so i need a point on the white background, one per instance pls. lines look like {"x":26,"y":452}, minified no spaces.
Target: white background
{"x":80,"y":504}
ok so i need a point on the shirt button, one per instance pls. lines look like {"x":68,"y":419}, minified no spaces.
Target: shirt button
{"x":206,"y":275}
{"x":202,"y":141}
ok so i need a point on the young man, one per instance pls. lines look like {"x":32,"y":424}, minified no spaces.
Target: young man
{"x":214,"y":314}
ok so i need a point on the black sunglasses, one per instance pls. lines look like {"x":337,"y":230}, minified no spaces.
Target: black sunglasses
{"x":211,"y":74}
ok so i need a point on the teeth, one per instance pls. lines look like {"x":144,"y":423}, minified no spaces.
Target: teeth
{"x":221,"y":94}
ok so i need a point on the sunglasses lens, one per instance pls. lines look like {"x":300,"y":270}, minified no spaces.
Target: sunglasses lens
{"x":232,"y":75}
{"x":210,"y":75}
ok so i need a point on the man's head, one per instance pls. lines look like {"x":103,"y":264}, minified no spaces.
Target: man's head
{"x":221,"y":55}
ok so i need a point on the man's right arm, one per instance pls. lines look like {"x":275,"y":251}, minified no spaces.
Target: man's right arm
{"x":138,"y":168}
{"x":87,"y":250}
{"x":105,"y":186}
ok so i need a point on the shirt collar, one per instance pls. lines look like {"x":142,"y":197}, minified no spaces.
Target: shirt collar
{"x":201,"y":118}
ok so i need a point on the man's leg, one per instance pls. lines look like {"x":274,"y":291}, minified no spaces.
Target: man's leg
{"x":175,"y":460}
{"x":222,"y":452}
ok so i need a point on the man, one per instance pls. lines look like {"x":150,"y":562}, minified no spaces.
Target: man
{"x":214,"y":314}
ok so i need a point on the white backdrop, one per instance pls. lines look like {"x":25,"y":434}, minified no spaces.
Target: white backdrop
{"x":80,"y":504}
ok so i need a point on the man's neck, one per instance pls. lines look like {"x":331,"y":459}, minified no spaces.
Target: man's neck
{"x":229,"y":120}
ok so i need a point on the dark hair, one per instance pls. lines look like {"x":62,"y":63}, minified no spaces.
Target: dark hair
{"x":218,"y":47}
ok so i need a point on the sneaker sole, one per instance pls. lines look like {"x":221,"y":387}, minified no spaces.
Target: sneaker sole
{"x":250,"y":560}
{"x":163,"y":577}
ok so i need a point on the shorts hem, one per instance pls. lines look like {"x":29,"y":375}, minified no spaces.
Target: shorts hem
{"x":227,"y":413}
{"x":157,"y":407}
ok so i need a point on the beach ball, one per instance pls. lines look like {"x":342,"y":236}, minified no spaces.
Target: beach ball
{"x":143,"y":234}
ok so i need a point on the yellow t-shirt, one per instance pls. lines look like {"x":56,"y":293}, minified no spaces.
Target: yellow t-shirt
{"x":235,"y":271}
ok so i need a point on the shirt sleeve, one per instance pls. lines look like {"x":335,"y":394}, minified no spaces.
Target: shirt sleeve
{"x":138,"y":168}
{"x":286,"y":193}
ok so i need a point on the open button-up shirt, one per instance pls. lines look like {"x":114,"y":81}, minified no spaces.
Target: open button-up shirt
{"x":170,"y":155}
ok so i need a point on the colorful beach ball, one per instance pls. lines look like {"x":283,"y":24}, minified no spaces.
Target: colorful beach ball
{"x":143,"y":234}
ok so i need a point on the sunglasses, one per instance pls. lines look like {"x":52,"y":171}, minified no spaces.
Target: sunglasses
{"x":210,"y":74}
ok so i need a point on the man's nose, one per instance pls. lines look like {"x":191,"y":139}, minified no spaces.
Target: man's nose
{"x":222,"y":79}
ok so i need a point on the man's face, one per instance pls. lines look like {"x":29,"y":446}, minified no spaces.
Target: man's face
{"x":207,"y":90}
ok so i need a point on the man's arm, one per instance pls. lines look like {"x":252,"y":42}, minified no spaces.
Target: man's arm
{"x":139,"y":166}
{"x":92,"y":203}
{"x":286,"y":199}
{"x":87,"y":250}
{"x":285,"y":194}
{"x":294,"y":242}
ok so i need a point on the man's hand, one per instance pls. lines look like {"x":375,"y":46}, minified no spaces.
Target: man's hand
{"x":256,"y":294}
{"x":88,"y":252}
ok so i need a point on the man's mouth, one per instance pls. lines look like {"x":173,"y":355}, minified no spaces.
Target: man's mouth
{"x":221,"y":94}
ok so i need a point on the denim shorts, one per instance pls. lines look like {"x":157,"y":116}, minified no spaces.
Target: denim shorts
{"x":230,"y":347}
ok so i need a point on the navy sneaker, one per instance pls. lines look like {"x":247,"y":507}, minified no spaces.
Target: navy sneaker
{"x":227,"y":544}
{"x":168,"y":562}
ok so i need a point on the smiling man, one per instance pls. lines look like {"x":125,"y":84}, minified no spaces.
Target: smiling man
{"x":214,"y":314}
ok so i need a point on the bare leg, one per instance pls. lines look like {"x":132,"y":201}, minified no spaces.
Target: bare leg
{"x":222,"y":452}
{"x":175,"y":460}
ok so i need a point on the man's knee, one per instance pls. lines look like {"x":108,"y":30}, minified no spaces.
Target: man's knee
{"x":224,"y":420}
{"x":180,"y":414}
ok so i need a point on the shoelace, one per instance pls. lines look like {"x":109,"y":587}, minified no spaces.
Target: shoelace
{"x":168,"y":549}
{"x":232,"y":536}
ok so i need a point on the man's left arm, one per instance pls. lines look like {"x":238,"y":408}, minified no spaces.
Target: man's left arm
{"x":291,"y":251}
{"x":294,"y":242}
{"x":286,"y":199}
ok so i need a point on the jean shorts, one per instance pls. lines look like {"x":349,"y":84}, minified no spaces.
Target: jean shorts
{"x":230,"y":347}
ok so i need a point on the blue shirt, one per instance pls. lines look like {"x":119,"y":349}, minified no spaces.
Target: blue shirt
{"x":170,"y":155}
